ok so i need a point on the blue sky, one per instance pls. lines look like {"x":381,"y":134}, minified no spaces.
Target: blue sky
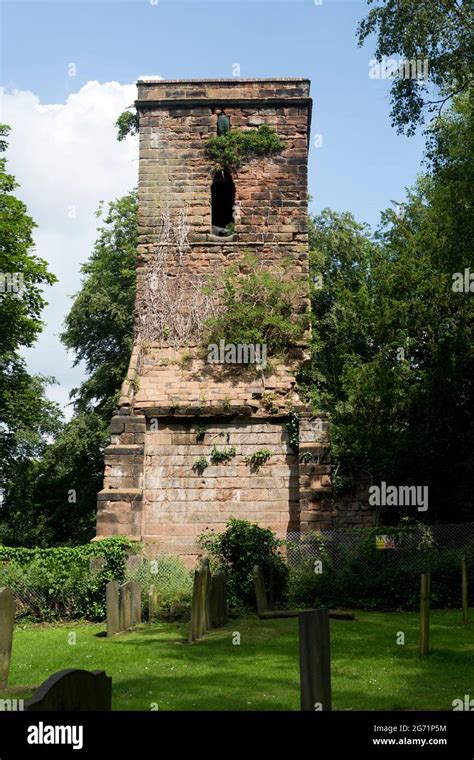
{"x":362,"y":165}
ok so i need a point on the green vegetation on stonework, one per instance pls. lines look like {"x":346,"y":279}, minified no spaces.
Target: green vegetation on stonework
{"x":258,"y":459}
{"x":222,"y":455}
{"x":257,"y":307}
{"x":231,"y":150}
{"x":293,"y":428}
{"x":200,"y":433}
{"x":155,"y":665}
{"x":200,"y":465}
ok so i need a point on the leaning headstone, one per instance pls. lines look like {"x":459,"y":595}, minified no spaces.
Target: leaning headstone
{"x":315,"y":660}
{"x":125,"y":606}
{"x":73,"y":690}
{"x":7,"y":619}
{"x":219,"y":612}
{"x":152,"y":603}
{"x":112,"y":606}
{"x":260,"y":593}
{"x":96,"y":565}
{"x":136,"y":602}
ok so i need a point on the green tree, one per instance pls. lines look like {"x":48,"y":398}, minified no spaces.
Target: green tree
{"x":438,"y":31}
{"x":99,"y":326}
{"x":26,"y":415}
{"x":52,"y":499}
{"x":22,"y":274}
{"x":393,"y":344}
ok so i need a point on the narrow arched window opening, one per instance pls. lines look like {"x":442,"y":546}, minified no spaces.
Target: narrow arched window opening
{"x":222,"y":200}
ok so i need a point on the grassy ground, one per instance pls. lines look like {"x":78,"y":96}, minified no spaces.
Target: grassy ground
{"x":155,"y":665}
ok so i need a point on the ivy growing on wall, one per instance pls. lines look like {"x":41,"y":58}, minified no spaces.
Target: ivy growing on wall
{"x":293,"y":427}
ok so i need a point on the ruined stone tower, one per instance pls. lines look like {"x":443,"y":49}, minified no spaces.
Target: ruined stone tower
{"x":176,"y":407}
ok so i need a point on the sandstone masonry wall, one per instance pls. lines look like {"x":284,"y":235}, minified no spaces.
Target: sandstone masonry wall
{"x":151,"y":491}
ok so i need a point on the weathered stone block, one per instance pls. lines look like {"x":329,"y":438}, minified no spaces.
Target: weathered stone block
{"x":112,"y":607}
{"x":218,"y":600}
{"x":153,"y":603}
{"x":73,"y":690}
{"x":126,"y":606}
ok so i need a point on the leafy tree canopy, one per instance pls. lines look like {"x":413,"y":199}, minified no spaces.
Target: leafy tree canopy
{"x":438,"y":31}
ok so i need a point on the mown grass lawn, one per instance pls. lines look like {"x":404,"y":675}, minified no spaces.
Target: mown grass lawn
{"x":154,"y":664}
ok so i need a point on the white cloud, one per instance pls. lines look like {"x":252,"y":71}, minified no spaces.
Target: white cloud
{"x":66,"y":158}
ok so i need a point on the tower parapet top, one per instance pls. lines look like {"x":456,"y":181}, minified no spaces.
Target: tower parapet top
{"x":238,"y":91}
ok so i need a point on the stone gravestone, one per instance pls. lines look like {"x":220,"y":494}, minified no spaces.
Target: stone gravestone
{"x":152,"y":603}
{"x":7,"y":619}
{"x":315,"y":660}
{"x":196,"y":625}
{"x":112,"y":605}
{"x":73,"y":690}
{"x":136,"y":602}
{"x":206,"y":595}
{"x":219,"y":613}
{"x":125,"y":606}
{"x":201,"y":601}
{"x":96,"y":564}
{"x":260,"y":593}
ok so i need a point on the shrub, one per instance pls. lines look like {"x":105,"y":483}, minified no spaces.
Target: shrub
{"x":257,"y":307}
{"x":56,"y":584}
{"x":237,"y":550}
{"x":231,"y":150}
{"x":380,"y":580}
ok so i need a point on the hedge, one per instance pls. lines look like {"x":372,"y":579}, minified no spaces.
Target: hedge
{"x":374,"y":582}
{"x":56,"y":584}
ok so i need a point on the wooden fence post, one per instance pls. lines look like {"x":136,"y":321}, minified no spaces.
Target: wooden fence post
{"x":315,"y":660}
{"x":425,"y":590}
{"x":7,"y":622}
{"x":465,"y":596}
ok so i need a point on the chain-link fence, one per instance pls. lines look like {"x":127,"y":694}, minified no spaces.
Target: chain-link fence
{"x":46,"y":594}
{"x":172,"y":580}
{"x":418,"y":545}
